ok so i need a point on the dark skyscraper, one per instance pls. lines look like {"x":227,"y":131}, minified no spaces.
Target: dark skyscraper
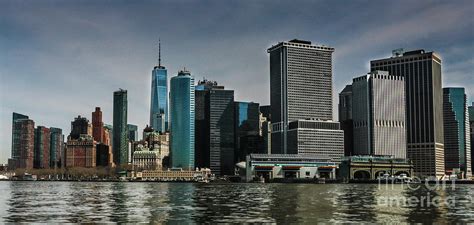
{"x":247,"y":130}
{"x":457,"y":145}
{"x":56,"y":147}
{"x":42,"y":147}
{"x":132,"y":132}
{"x":97,"y":125}
{"x":23,"y":142}
{"x":159,"y":96}
{"x":424,"y":107}
{"x":79,"y":126}
{"x":215,"y":122}
{"x":15,"y":150}
{"x":266,"y":112}
{"x":345,"y":118}
{"x":300,"y":86}
{"x":120,"y":133}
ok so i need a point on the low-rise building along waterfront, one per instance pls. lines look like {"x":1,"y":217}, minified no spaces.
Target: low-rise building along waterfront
{"x":373,"y":167}
{"x":271,"y":166}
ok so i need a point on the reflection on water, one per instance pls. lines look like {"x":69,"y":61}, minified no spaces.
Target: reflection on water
{"x":198,"y":203}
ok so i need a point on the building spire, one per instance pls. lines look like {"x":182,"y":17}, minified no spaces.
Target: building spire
{"x":159,"y":52}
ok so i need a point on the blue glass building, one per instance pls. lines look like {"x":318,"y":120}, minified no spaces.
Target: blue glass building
{"x":457,"y":149}
{"x":182,"y":120}
{"x":159,"y":99}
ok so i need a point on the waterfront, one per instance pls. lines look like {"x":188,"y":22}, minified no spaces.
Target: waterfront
{"x":197,"y":203}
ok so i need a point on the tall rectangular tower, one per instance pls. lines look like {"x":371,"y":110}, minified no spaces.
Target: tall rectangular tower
{"x":345,"y":118}
{"x":378,"y":112}
{"x":457,"y":143}
{"x":23,"y":142}
{"x":159,"y":96}
{"x":471,"y":129}
{"x":56,"y":146}
{"x":42,"y":147}
{"x":300,"y":86}
{"x":15,"y":151}
{"x":182,"y":120}
{"x":97,"y":125}
{"x":214,"y":148}
{"x":424,"y":106}
{"x":120,"y":133}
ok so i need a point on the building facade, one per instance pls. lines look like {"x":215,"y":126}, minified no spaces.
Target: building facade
{"x":378,"y":113}
{"x":98,"y":126}
{"x":424,"y":107}
{"x":56,"y":147}
{"x":215,"y":145}
{"x":15,"y":154}
{"x":300,"y":86}
{"x":103,"y":156}
{"x":42,"y":147}
{"x":159,"y":97}
{"x":132,"y":132}
{"x":345,"y":118}
{"x":81,"y":152}
{"x":248,"y":135}
{"x":323,"y":139}
{"x":146,"y":159}
{"x":457,"y":143}
{"x":120,"y":133}
{"x":471,"y":125}
{"x":23,"y":141}
{"x":182,"y":120}
{"x":79,"y":126}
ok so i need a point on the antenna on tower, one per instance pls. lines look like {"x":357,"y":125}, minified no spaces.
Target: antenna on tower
{"x":159,"y":52}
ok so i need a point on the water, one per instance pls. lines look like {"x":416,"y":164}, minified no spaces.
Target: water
{"x":198,"y":203}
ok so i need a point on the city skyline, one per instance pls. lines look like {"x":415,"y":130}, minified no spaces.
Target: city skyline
{"x":35,"y":61}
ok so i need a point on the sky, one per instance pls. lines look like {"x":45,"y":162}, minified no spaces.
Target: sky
{"x":61,"y":59}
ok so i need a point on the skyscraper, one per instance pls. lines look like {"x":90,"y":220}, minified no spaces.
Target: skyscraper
{"x":300,"y":86}
{"x":182,"y":120}
{"x":120,"y":133}
{"x":247,"y":130}
{"x":132,"y":132}
{"x":159,"y":96}
{"x":56,"y":146}
{"x":215,"y":144}
{"x":97,"y":125}
{"x":378,"y":112}
{"x":15,"y":151}
{"x":457,"y":143}
{"x":424,"y":107}
{"x":23,"y":141}
{"x":471,"y":125}
{"x":42,"y":147}
{"x":345,"y":118}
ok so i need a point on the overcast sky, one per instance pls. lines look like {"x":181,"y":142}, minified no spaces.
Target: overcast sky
{"x":60,"y":59}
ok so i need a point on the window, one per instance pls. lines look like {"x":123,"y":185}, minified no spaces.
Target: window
{"x":307,"y":173}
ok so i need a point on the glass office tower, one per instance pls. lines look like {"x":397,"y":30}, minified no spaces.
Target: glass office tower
{"x":159,"y":96}
{"x":182,"y":120}
{"x":457,"y":149}
{"x":159,"y":99}
{"x":120,"y":130}
{"x":56,"y":146}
